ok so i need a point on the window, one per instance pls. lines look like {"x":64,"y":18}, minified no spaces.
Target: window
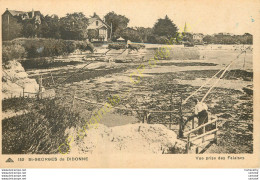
{"x":96,"y":23}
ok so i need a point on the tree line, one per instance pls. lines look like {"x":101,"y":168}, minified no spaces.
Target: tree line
{"x":73,"y":26}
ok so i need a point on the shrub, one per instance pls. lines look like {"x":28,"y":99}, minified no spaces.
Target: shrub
{"x":31,"y":51}
{"x":13,"y":51}
{"x":45,"y":63}
{"x":70,"y":46}
{"x":41,"y":131}
{"x":84,"y":46}
{"x":154,"y":39}
{"x":42,"y":48}
{"x":136,"y":46}
{"x":117,"y":46}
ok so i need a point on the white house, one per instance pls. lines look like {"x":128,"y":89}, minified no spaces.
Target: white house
{"x":198,"y":37}
{"x":101,"y":28}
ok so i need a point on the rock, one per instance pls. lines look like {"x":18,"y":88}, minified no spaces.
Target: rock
{"x":15,"y":79}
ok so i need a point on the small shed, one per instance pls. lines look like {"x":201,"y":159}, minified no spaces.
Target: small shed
{"x":120,"y":39}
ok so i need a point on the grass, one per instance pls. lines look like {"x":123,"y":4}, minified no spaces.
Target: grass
{"x":41,"y":131}
{"x":184,"y":53}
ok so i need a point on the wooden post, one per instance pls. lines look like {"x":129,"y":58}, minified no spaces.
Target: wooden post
{"x":181,"y":121}
{"x":23,"y":92}
{"x":73,"y":101}
{"x":144,"y":116}
{"x":171,"y":107}
{"x":215,"y":137}
{"x":148,"y":119}
{"x":40,"y":87}
{"x":203,"y":139}
{"x":52,"y":79}
{"x":197,"y":150}
{"x":188,"y":144}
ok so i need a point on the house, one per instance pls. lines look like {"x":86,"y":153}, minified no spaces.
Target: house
{"x":198,"y":37}
{"x":100,"y":27}
{"x":12,"y":22}
{"x":22,"y":15}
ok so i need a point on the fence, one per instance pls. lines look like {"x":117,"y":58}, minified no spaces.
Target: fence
{"x":190,"y":141}
{"x":24,"y":94}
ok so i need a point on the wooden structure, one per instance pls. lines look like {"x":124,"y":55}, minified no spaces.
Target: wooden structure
{"x":202,"y":141}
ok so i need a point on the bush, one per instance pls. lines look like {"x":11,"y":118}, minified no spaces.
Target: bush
{"x":136,"y":46}
{"x":45,"y":63}
{"x":70,"y":46}
{"x":35,"y":48}
{"x":84,"y":46}
{"x":117,"y":46}
{"x":154,"y":39}
{"x":13,"y":51}
{"x":41,"y":131}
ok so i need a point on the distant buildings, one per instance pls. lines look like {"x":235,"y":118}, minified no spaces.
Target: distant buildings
{"x":100,"y":27}
{"x":22,"y":15}
{"x":197,"y":37}
{"x":11,"y":22}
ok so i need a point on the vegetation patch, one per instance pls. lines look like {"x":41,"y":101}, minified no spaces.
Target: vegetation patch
{"x":41,"y":131}
{"x":35,"y":48}
{"x":45,"y":63}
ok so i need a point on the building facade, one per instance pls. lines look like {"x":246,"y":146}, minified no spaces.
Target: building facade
{"x":99,"y":29}
{"x":11,"y":22}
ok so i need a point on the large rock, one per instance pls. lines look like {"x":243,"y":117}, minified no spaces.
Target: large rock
{"x":14,"y":79}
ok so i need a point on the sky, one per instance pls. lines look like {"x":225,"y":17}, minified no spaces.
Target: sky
{"x":201,"y":16}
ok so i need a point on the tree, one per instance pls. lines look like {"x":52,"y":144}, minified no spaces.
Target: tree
{"x":119,"y":22}
{"x":74,"y":26}
{"x":131,"y":34}
{"x":145,"y":33}
{"x":165,"y":27}
{"x":187,"y":37}
{"x":208,"y":39}
{"x":29,"y":29}
{"x":50,"y":27}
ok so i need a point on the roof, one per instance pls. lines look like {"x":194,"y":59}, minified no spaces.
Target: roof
{"x":17,"y":13}
{"x":96,"y":17}
{"x":35,"y":13}
{"x":120,"y":39}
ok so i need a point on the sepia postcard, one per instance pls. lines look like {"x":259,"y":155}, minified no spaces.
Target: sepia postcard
{"x":130,"y":84}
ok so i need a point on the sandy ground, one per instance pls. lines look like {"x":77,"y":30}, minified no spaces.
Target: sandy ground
{"x":131,"y":138}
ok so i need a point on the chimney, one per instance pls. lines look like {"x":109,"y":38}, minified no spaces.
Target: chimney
{"x":32,"y":13}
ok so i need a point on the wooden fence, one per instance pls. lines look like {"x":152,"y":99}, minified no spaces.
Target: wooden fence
{"x":190,"y":141}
